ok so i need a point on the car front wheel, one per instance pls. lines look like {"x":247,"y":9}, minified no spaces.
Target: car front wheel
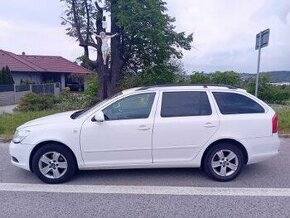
{"x":223,"y":162}
{"x":54,"y":164}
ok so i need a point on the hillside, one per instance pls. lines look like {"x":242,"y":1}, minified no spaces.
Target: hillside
{"x":275,"y":76}
{"x":279,"y":76}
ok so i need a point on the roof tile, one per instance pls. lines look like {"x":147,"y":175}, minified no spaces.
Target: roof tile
{"x":37,"y":63}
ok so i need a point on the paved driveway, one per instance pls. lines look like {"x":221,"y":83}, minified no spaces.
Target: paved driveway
{"x":7,"y":109}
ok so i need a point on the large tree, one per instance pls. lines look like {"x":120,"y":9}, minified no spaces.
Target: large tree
{"x":147,"y":40}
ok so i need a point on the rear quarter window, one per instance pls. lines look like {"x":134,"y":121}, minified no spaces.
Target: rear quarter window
{"x":233,"y":103}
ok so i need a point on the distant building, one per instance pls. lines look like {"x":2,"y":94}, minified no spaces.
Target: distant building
{"x":37,"y":69}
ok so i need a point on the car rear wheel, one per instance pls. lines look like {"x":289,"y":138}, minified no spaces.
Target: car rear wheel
{"x":54,"y":163}
{"x":223,"y":162}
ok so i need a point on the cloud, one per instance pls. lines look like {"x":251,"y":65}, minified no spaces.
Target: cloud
{"x":224,"y":32}
{"x":34,"y":38}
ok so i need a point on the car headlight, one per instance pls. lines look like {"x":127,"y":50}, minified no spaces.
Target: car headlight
{"x":20,"y":135}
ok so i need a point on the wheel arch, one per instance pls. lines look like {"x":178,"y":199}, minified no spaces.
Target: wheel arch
{"x":41,"y":144}
{"x":229,"y":141}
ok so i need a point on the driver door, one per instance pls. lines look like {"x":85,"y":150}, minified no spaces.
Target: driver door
{"x":125,"y":137}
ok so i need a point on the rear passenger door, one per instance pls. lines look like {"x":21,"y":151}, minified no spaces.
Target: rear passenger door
{"x":184,"y":122}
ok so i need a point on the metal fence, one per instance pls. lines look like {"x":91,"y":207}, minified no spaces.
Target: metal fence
{"x":6,"y":88}
{"x":11,"y":94}
{"x":22,"y":88}
{"x":44,"y":89}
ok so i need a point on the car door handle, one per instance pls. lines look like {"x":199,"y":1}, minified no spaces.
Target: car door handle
{"x":144,"y":128}
{"x":209,"y":125}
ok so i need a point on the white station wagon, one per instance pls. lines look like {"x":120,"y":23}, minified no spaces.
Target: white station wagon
{"x":220,"y":129}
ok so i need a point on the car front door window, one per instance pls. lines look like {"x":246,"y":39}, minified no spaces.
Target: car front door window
{"x":131,"y":107}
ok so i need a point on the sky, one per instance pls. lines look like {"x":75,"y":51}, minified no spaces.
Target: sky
{"x":224,"y":32}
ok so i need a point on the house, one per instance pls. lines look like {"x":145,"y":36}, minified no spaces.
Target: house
{"x":38,"y":69}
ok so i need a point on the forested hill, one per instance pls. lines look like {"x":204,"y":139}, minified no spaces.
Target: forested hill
{"x":279,"y":76}
{"x":275,"y":76}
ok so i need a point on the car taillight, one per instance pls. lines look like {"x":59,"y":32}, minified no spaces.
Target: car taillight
{"x":275,"y":124}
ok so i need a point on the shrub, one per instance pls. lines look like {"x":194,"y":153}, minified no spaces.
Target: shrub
{"x":269,"y":93}
{"x":6,"y":76}
{"x":36,"y":102}
{"x":93,"y":87}
{"x":73,"y":101}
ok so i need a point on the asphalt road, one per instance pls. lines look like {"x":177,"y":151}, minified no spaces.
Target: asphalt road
{"x":161,"y":201}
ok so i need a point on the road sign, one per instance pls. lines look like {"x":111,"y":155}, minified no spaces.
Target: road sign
{"x":264,"y":37}
{"x":262,"y":40}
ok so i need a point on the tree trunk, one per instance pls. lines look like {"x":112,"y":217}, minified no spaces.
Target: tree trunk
{"x":109,"y":74}
{"x":116,"y":58}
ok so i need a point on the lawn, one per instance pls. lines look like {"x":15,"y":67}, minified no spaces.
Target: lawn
{"x":284,"y":120}
{"x":9,"y":122}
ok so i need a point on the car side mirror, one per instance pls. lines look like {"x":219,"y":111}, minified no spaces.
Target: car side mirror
{"x":99,"y":117}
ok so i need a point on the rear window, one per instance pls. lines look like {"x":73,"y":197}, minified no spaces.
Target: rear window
{"x":182,"y":104}
{"x":233,"y":103}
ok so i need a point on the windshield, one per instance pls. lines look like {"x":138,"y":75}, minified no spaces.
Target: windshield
{"x":86,"y":111}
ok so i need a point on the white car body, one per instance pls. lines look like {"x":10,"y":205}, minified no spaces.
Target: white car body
{"x":154,"y":142}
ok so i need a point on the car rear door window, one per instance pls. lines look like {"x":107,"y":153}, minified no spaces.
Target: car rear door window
{"x":233,"y":103}
{"x":182,"y":104}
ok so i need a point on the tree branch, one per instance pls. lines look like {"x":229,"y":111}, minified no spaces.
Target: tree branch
{"x":66,"y":20}
{"x":88,"y":21}
{"x":98,"y":6}
{"x":76,"y":20}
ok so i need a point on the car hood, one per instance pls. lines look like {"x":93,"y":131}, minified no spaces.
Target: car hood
{"x":51,"y":119}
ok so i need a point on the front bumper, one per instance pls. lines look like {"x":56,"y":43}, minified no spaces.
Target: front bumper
{"x":20,"y":154}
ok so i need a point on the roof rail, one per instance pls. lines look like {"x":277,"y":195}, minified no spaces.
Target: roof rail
{"x":169,"y":85}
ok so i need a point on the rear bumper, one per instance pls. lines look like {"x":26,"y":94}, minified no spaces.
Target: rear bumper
{"x":260,"y":149}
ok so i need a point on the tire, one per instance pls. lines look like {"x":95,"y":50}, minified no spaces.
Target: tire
{"x":54,"y":163}
{"x":223,"y":162}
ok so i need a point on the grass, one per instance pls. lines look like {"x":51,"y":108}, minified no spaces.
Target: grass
{"x":9,"y":122}
{"x":284,"y":120}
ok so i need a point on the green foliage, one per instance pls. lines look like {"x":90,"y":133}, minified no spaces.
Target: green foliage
{"x":227,"y":78}
{"x":147,"y":43}
{"x":9,"y":122}
{"x":73,"y":101}
{"x":148,"y":33}
{"x":200,"y":78}
{"x":6,"y":76}
{"x":158,"y":75}
{"x":268,"y":92}
{"x":92,"y":85}
{"x":36,"y":102}
{"x":65,"y":102}
{"x":284,"y":120}
{"x":153,"y":76}
{"x":129,"y":81}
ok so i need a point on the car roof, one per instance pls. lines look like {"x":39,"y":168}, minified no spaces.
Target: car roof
{"x":184,"y":87}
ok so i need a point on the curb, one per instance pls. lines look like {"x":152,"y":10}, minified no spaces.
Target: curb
{"x":5,"y":140}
